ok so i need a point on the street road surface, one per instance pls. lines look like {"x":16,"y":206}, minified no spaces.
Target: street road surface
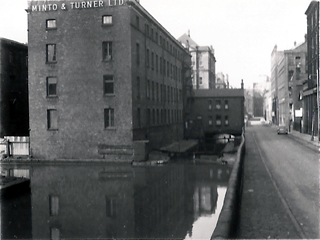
{"x":291,"y":187}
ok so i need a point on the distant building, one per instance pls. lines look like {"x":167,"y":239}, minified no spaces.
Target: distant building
{"x":259,"y":92}
{"x":222,"y":81}
{"x":283,"y":65}
{"x":14,"y":113}
{"x":203,"y":63}
{"x":104,"y":75}
{"x":310,"y":109}
{"x":216,"y":111}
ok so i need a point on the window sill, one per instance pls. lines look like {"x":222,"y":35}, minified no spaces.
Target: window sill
{"x":50,"y":29}
{"x":105,"y":25}
{"x":109,"y":95}
{"x":110,"y":129}
{"x":53,"y":62}
{"x":52,"y":97}
{"x":52,"y":130}
{"x":107,"y":60}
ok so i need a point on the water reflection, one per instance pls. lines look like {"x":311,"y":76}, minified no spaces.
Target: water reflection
{"x":178,"y":200}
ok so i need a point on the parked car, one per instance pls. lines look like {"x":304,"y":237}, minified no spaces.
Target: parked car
{"x":282,"y":129}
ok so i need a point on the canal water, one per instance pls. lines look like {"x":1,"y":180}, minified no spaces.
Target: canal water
{"x":181,"y":199}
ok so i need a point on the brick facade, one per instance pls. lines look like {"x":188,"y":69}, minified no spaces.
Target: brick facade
{"x":97,"y":69}
{"x":216,"y":111}
{"x":14,"y":113}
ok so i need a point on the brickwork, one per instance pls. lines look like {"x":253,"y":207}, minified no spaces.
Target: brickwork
{"x":14,"y":119}
{"x":79,"y":68}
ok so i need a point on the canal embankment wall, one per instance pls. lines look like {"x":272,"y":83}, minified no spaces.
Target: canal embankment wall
{"x":227,"y":223}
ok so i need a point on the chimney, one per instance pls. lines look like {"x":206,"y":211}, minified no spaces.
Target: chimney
{"x":241,"y":83}
{"x":189,"y":33}
{"x":295,"y":43}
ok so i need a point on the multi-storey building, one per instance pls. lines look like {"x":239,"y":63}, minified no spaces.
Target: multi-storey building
{"x":14,"y":113}
{"x":310,"y":92}
{"x":216,"y":111}
{"x":102,"y":76}
{"x":222,"y":80}
{"x":203,"y":63}
{"x":283,"y":65}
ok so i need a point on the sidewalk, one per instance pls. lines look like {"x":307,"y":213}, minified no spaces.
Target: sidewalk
{"x":305,"y":138}
{"x":262,"y":215}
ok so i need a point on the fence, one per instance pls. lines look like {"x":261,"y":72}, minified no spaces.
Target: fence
{"x":17,"y":146}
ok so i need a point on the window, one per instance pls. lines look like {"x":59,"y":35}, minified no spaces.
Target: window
{"x":54,"y":205}
{"x":51,"y":86}
{"x":55,"y":233}
{"x":218,"y":104}
{"x":200,"y":82}
{"x":226,"y":104}
{"x":110,"y":207}
{"x":168,"y":69}
{"x":108,"y":84}
{"x":157,"y":68}
{"x":106,"y":51}
{"x":107,"y":20}
{"x":139,"y":117}
{"x":138,"y":53}
{"x":147,"y":30}
{"x":226,"y":120}
{"x":147,"y":58}
{"x":51,"y":24}
{"x":137,"y":21}
{"x":152,"y":89}
{"x":153,"y":117}
{"x":51,"y":53}
{"x":165,"y":117}
{"x":138,"y":87}
{"x":52,"y":119}
{"x":148,"y":89}
{"x":152,"y":61}
{"x":218,"y":120}
{"x":161,"y":119}
{"x":158,"y":117}
{"x":157,"y":91}
{"x":210,"y":120}
{"x":108,"y":117}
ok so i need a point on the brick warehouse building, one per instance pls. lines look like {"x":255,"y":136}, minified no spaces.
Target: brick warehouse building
{"x":216,"y":111}
{"x":102,"y":75}
{"x":14,"y":117}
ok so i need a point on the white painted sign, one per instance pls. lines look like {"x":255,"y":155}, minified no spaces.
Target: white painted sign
{"x":68,"y":5}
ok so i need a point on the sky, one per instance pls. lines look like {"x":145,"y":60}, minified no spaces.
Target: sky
{"x":243,"y":33}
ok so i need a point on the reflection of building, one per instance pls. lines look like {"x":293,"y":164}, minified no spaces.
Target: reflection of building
{"x":119,"y":81}
{"x":203,"y":63}
{"x":216,"y":111}
{"x":310,"y":109}
{"x":82,"y":202}
{"x":14,"y":112}
{"x":222,"y":80}
{"x":98,"y":201}
{"x":161,"y":202}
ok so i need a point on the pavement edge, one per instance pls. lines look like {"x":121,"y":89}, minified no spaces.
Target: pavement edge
{"x":227,"y":223}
